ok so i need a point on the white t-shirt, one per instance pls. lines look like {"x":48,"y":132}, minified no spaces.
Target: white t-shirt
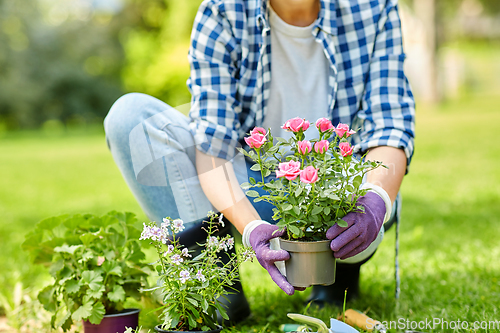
{"x":299,"y":77}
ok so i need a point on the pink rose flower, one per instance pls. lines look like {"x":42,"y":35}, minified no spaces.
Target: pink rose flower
{"x":289,"y":170}
{"x":349,"y":133}
{"x":309,"y":175}
{"x":296,"y":124}
{"x":255,"y":140}
{"x":345,"y":149}
{"x":321,"y":147}
{"x":258,"y":130}
{"x":305,"y":147}
{"x":323,"y":124}
{"x":341,"y":129}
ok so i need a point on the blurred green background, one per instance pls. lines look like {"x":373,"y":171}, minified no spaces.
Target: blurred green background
{"x":64,"y":62}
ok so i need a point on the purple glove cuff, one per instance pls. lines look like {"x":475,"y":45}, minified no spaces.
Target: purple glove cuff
{"x":362,"y":228}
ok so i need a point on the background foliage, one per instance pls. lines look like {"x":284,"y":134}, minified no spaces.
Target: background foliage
{"x":64,"y":62}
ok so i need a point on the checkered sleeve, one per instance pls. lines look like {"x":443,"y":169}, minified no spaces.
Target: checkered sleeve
{"x":388,"y":107}
{"x":214,"y":107}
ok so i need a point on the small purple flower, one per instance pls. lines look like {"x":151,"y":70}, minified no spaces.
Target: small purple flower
{"x":247,"y":255}
{"x":178,"y":225}
{"x":170,"y":248}
{"x":230,"y":242}
{"x":154,"y":233}
{"x":200,"y":276}
{"x":185,"y":252}
{"x":184,"y":276}
{"x":166,"y":223}
{"x":177,"y":259}
{"x":213,"y":242}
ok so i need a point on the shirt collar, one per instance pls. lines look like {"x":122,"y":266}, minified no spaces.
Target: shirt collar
{"x":327,"y":16}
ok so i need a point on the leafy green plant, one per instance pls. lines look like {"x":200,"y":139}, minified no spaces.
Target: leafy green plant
{"x":191,"y":287}
{"x":96,"y":263}
{"x":317,"y":181}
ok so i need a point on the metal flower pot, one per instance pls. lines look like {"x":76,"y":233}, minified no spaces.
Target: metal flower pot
{"x":114,"y":323}
{"x":217,"y":330}
{"x":310,"y":263}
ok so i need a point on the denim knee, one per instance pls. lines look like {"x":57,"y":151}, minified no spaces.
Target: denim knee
{"x":126,"y":113}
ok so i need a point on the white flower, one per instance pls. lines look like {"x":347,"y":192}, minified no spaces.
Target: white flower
{"x":178,"y":225}
{"x":213,"y":242}
{"x":177,"y":259}
{"x":166,"y":222}
{"x":200,"y":276}
{"x":220,"y":220}
{"x":184,"y":276}
{"x":170,"y":248}
{"x":185,"y":252}
{"x":154,"y":233}
{"x":230,"y":242}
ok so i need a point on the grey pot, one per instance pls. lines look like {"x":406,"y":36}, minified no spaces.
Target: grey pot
{"x":310,"y":263}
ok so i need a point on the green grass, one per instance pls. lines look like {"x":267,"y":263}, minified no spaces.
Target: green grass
{"x":449,"y":233}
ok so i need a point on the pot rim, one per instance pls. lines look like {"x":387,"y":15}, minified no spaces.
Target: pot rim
{"x":122,"y":313}
{"x":218,"y":329}
{"x":301,"y":246}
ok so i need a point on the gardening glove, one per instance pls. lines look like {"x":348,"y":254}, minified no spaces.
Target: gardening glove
{"x":258,"y":235}
{"x":362,"y":228}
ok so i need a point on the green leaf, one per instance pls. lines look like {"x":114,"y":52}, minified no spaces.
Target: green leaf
{"x":287,"y":207}
{"x":294,"y":230}
{"x":72,"y":286}
{"x":267,"y":172}
{"x":246,"y":186}
{"x":252,"y":180}
{"x":47,"y":298}
{"x":95,"y":294}
{"x":333,"y":196}
{"x":97,"y":313}
{"x":357,"y":181}
{"x":316,"y":210}
{"x":92,"y":279}
{"x":67,"y":249}
{"x":83,"y":312}
{"x":255,"y":167}
{"x":342,"y":223}
{"x":298,"y":191}
{"x":112,"y":268}
{"x":252,"y":194}
{"x":117,"y":295}
{"x":296,"y":210}
{"x":222,"y":310}
{"x":326,"y":210}
{"x":192,"y":301}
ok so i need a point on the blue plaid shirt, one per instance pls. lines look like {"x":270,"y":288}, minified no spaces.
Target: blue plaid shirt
{"x":230,"y":58}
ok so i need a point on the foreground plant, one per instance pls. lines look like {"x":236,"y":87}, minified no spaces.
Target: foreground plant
{"x":317,"y":181}
{"x":96,"y":263}
{"x":191,"y":287}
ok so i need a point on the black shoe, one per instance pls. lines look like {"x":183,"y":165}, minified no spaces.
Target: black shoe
{"x":346,"y":277}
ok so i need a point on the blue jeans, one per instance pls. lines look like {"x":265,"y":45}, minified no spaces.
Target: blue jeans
{"x":155,"y":152}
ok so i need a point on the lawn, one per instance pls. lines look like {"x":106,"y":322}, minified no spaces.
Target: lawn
{"x":449,"y":234}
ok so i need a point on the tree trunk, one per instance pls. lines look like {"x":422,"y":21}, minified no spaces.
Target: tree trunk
{"x":426,"y":12}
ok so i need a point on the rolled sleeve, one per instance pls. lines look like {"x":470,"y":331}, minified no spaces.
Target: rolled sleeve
{"x":387,"y":110}
{"x":214,"y":107}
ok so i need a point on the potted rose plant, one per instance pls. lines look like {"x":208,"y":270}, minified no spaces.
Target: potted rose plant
{"x":315,"y":183}
{"x":96,"y":263}
{"x":191,"y":287}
